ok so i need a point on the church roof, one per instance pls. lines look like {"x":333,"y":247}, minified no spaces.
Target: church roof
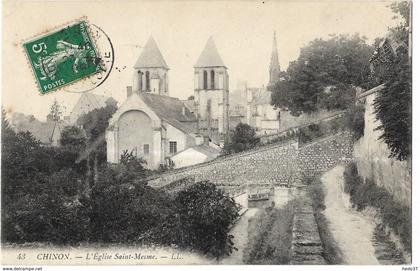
{"x":86,"y":103}
{"x":170,"y":110}
{"x":189,"y":104}
{"x":210,"y":56}
{"x":151,"y":57}
{"x":274,"y":61}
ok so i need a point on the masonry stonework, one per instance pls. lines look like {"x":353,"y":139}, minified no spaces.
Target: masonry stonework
{"x":275,"y":164}
{"x":372,"y":158}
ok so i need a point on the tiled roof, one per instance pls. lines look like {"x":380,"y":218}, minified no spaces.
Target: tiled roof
{"x":189,"y":104}
{"x":209,"y":57}
{"x":86,"y":103}
{"x":207,"y":150}
{"x":43,"y":131}
{"x":151,"y":57}
{"x":170,"y":110}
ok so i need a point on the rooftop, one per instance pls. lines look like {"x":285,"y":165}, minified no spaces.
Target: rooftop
{"x":151,"y":57}
{"x":210,"y":56}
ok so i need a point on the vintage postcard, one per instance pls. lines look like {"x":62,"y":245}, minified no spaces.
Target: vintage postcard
{"x":206,"y":132}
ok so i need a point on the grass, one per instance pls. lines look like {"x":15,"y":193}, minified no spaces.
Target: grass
{"x":366,"y":193}
{"x":331,"y":252}
{"x":270,"y":236}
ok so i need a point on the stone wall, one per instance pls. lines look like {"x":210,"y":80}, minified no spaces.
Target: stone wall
{"x":278,"y":164}
{"x":371,"y":156}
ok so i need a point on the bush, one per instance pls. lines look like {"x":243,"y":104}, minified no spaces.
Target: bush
{"x":120,"y":213}
{"x":355,"y":120}
{"x":205,"y":214}
{"x":332,"y":253}
{"x":53,"y":214}
{"x":242,"y":138}
{"x":368,"y":194}
{"x":271,"y":236}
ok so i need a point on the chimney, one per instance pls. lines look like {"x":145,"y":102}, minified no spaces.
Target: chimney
{"x":183,"y":110}
{"x":129,"y":91}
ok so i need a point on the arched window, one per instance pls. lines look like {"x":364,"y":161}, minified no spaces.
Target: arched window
{"x":140,"y":76}
{"x":212,"y":79}
{"x":205,"y":80}
{"x":147,"y":81}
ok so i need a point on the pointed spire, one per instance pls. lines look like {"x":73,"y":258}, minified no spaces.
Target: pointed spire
{"x":274,"y":63}
{"x":151,"y":57}
{"x":210,"y":56}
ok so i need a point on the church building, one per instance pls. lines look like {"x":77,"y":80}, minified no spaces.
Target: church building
{"x":163,"y":129}
{"x":260,"y":113}
{"x":265,"y":117}
{"x":211,"y":94}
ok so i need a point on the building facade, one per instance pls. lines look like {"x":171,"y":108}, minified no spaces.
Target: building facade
{"x":260,"y":114}
{"x":156,"y":127}
{"x":211,"y":94}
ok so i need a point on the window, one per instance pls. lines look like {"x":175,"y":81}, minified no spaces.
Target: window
{"x":146,"y":149}
{"x":147,"y":81}
{"x":205,"y":79}
{"x":172,"y":147}
{"x":212,"y":80}
{"x":140,"y":80}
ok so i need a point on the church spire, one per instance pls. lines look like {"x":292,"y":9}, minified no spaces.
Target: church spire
{"x":274,"y":63}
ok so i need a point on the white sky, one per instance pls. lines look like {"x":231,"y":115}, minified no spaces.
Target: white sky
{"x":242,"y":31}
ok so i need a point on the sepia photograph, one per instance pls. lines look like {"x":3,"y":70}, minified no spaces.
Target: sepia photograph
{"x":206,"y":133}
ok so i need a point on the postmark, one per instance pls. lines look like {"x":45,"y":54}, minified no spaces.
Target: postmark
{"x":70,"y":56}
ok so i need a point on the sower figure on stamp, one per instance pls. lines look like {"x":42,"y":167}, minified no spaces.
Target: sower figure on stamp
{"x":48,"y":65}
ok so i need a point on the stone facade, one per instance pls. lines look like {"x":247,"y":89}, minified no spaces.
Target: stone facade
{"x":371,"y":155}
{"x":278,"y":164}
{"x":211,"y":93}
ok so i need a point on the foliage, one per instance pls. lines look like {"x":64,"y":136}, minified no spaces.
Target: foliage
{"x":205,"y":214}
{"x":22,"y":157}
{"x":368,"y":194}
{"x":56,"y":111}
{"x":393,"y":103}
{"x":270,"y":235}
{"x":134,"y":166}
{"x":355,"y":120}
{"x":95,"y":124}
{"x":46,"y":199}
{"x":324,"y":76}
{"x":242,"y":138}
{"x":73,"y":137}
{"x":332,"y":252}
{"x":120,"y":213}
{"x":49,"y":210}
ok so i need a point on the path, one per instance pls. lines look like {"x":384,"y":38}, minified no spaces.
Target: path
{"x":352,"y":231}
{"x":240,"y":230}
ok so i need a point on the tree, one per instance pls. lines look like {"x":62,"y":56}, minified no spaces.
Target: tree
{"x":393,"y":103}
{"x":242,"y":138}
{"x":205,"y":214}
{"x":95,"y":124}
{"x":324,"y":76}
{"x":72,"y":145}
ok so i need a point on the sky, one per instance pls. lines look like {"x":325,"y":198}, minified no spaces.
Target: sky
{"x":242,"y":30}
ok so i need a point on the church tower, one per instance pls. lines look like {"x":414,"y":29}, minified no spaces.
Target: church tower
{"x":211,"y":93}
{"x":151,"y":70}
{"x":274,"y":63}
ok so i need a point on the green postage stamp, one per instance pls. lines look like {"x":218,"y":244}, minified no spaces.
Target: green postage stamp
{"x":63,"y":57}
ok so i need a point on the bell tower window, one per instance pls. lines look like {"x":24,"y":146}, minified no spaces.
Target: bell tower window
{"x":212,"y":80}
{"x":147,"y":81}
{"x":205,"y":80}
